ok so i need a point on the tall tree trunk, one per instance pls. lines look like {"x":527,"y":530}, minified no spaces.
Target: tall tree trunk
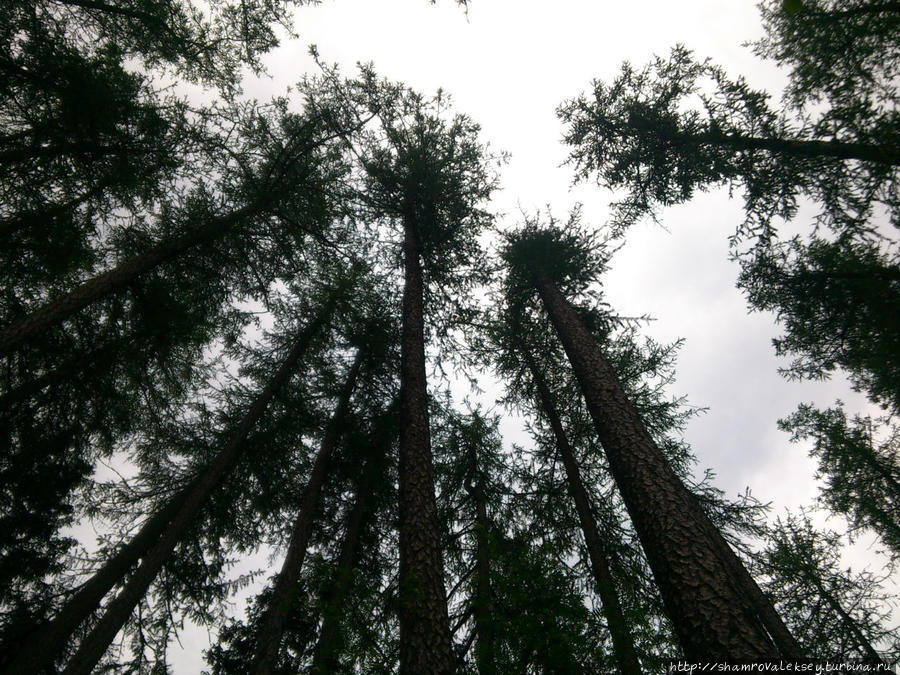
{"x":704,"y":598}
{"x":185,"y":508}
{"x":485,"y":647}
{"x":268,"y":636}
{"x":425,"y":645}
{"x":623,"y":643}
{"x":325,"y":654}
{"x":112,"y":281}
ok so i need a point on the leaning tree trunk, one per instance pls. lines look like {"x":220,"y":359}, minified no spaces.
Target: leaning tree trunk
{"x":703,"y":596}
{"x":113,"y":281}
{"x":425,"y":644}
{"x":268,"y":636}
{"x":862,"y":642}
{"x":186,"y":507}
{"x":325,"y":653}
{"x":623,"y":642}
{"x":485,"y":646}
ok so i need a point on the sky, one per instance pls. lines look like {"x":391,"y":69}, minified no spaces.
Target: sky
{"x":508,"y":64}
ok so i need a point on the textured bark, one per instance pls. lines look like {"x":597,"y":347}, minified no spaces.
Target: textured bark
{"x":325,"y":658}
{"x":705,"y":600}
{"x":269,"y":634}
{"x":485,"y":646}
{"x":623,"y":643}
{"x":425,"y":645}
{"x":112,"y":281}
{"x":190,"y":503}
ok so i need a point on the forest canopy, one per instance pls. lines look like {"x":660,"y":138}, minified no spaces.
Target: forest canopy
{"x":277,"y":369}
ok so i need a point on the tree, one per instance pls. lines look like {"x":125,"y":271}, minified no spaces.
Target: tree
{"x":634,"y":135}
{"x":155,"y":540}
{"x":685,"y":550}
{"x":842,"y":52}
{"x":835,"y":614}
{"x":425,"y":175}
{"x":861,"y":473}
{"x":623,"y":642}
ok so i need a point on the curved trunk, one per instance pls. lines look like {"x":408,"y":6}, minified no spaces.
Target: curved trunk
{"x":425,"y":645}
{"x":271,"y":629}
{"x":623,"y":643}
{"x":188,"y":506}
{"x":705,"y":600}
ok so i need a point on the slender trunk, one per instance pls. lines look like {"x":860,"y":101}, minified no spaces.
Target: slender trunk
{"x":623,"y":643}
{"x":268,"y":636}
{"x":112,"y":281}
{"x":425,"y":645}
{"x":325,"y":658}
{"x":850,"y":624}
{"x":189,"y":505}
{"x":485,"y":649}
{"x":43,"y":645}
{"x":706,"y":602}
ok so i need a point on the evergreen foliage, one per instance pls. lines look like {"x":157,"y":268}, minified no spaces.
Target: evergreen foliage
{"x":227,"y":329}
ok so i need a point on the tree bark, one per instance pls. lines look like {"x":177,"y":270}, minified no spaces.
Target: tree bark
{"x":186,"y":508}
{"x":485,"y":646}
{"x":325,"y":654}
{"x":705,"y":601}
{"x":623,"y":643}
{"x":425,"y":645}
{"x":268,"y":636}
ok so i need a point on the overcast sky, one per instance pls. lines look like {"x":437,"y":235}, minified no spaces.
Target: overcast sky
{"x":508,"y":64}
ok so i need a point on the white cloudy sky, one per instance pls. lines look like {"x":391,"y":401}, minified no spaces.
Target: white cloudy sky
{"x":508,"y":64}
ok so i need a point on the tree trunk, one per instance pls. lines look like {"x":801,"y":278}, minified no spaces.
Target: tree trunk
{"x":268,"y":636}
{"x":880,"y":154}
{"x":188,"y":506}
{"x":703,"y":597}
{"x":325,"y":658}
{"x":861,"y":640}
{"x":110,"y":282}
{"x":425,"y":645}
{"x":485,"y":647}
{"x":623,"y":643}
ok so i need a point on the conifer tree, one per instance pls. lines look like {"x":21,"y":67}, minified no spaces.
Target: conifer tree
{"x":835,"y":613}
{"x":153,"y":543}
{"x":684,"y":548}
{"x":426,"y":176}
